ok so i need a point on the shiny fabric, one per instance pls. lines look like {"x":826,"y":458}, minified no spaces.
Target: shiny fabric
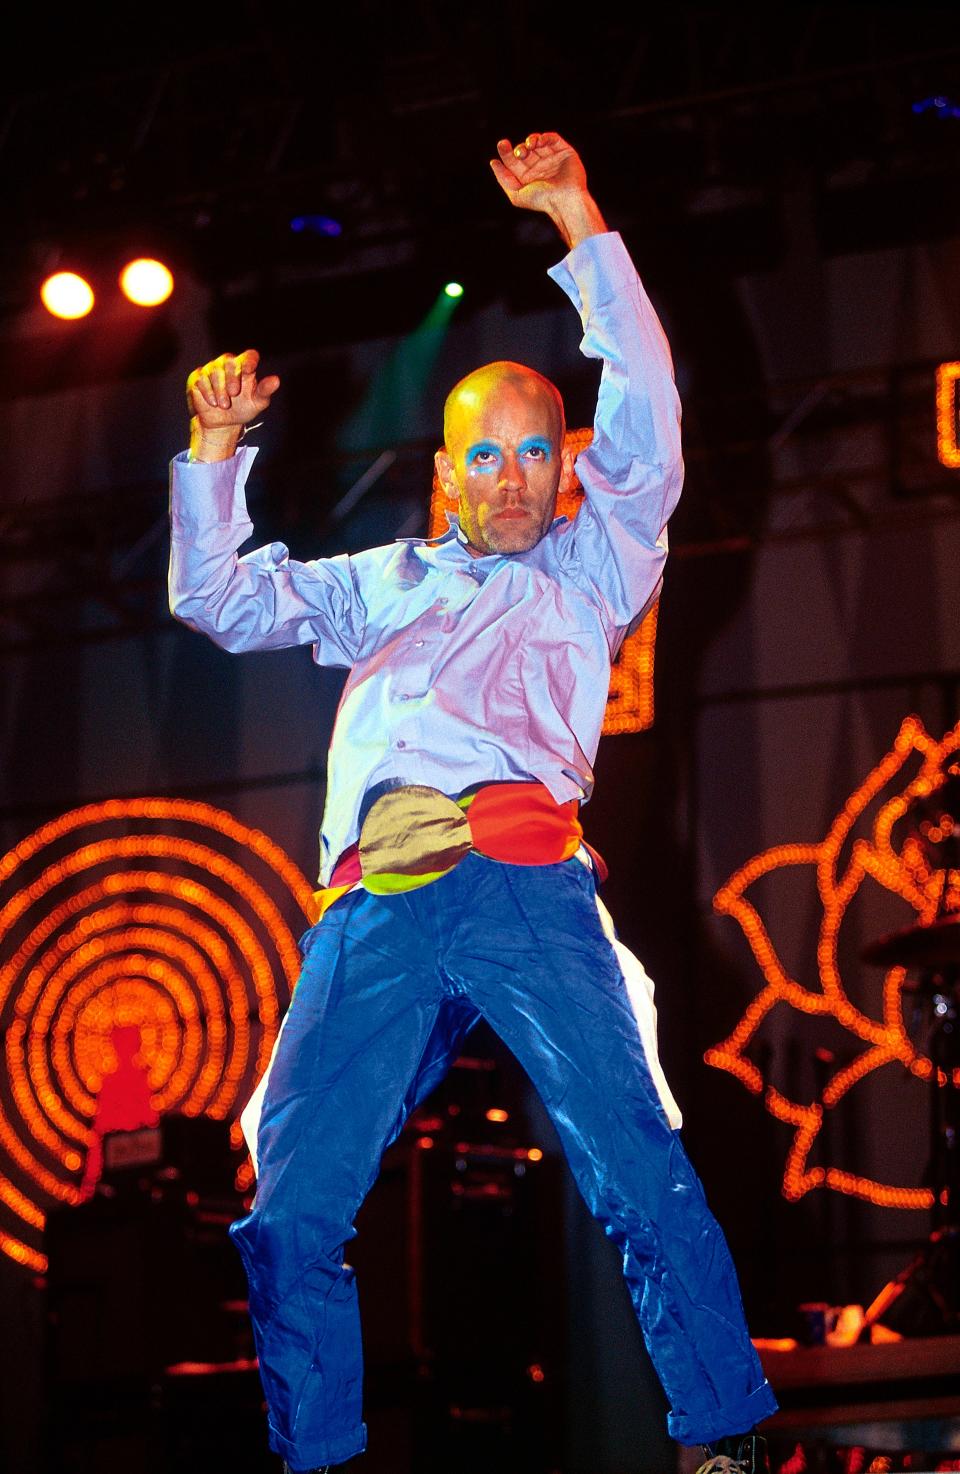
{"x":413,"y":835}
{"x":467,"y":671}
{"x":390,"y":987}
{"x":464,"y":670}
{"x":521,"y":823}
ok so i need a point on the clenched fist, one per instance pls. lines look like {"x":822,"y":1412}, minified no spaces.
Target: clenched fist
{"x":222,"y":397}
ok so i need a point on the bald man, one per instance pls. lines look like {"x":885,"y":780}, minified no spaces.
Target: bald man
{"x":455,"y":883}
{"x":504,"y":506}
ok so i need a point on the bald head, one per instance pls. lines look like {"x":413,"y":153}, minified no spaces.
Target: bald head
{"x":467,"y":399}
{"x":503,"y":456}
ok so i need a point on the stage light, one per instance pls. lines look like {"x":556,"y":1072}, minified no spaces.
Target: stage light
{"x":497,"y":1113}
{"x":146,"y":282}
{"x":316,"y":225}
{"x":67,"y":295}
{"x":942,"y":107}
{"x":453,"y":289}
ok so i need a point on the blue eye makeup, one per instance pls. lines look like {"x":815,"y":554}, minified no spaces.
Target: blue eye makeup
{"x":537,"y":443}
{"x":483,"y":448}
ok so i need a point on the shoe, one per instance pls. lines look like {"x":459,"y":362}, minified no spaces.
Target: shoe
{"x":741,"y":1453}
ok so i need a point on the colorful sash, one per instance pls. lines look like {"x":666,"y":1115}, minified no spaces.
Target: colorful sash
{"x":413,"y":835}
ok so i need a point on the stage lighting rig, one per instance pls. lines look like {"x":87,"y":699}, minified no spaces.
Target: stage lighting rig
{"x":67,"y":295}
{"x":316,"y":225}
{"x":146,"y":282}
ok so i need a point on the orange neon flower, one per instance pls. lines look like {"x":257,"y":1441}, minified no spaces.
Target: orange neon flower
{"x":890,"y":854}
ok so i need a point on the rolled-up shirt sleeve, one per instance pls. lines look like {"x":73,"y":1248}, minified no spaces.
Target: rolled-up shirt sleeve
{"x":264,"y":600}
{"x":632,"y":471}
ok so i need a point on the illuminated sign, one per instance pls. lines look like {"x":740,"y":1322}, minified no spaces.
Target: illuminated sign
{"x":948,"y":449}
{"x":841,"y":863}
{"x":160,"y":914}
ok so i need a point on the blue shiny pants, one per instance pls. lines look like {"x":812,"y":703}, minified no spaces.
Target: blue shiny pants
{"x":390,"y":986}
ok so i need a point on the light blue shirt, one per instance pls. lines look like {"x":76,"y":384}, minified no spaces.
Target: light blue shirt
{"x":463,"y":669}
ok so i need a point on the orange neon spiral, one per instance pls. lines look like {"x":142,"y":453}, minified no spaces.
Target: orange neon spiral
{"x":163,"y":914}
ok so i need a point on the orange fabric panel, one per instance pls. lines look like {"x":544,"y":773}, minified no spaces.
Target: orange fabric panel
{"x":521,"y":824}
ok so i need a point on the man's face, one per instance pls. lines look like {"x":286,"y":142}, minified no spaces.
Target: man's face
{"x":504,"y":460}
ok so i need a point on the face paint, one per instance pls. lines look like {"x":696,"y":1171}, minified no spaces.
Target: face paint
{"x":483,"y":457}
{"x":504,"y":436}
{"x":538,"y":447}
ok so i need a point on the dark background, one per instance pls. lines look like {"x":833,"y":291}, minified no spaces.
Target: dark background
{"x":789,"y":190}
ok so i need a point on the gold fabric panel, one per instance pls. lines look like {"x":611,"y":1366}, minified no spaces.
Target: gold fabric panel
{"x":414,"y":830}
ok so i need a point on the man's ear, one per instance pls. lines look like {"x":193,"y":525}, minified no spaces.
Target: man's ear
{"x":568,"y":475}
{"x":443,"y":462}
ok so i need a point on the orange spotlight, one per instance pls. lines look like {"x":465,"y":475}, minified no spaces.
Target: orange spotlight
{"x":146,"y":282}
{"x":64,"y":294}
{"x":497,"y":1113}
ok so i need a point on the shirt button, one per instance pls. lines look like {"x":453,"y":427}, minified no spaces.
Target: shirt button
{"x":401,"y":743}
{"x":441,"y":603}
{"x":418,"y":643}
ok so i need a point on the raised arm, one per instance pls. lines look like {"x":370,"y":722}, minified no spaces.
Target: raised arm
{"x":633,"y":470}
{"x":264,"y":600}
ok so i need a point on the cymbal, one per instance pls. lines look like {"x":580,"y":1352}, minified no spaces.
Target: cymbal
{"x":936,"y":945}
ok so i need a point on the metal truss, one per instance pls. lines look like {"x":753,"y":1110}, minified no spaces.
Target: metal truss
{"x":704,"y":101}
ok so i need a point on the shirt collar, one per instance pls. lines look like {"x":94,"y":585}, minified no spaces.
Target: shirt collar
{"x":454,"y":532}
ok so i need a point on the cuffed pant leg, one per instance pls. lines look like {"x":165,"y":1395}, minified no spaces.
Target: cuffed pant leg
{"x":530,"y":953}
{"x":366,"y":1020}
